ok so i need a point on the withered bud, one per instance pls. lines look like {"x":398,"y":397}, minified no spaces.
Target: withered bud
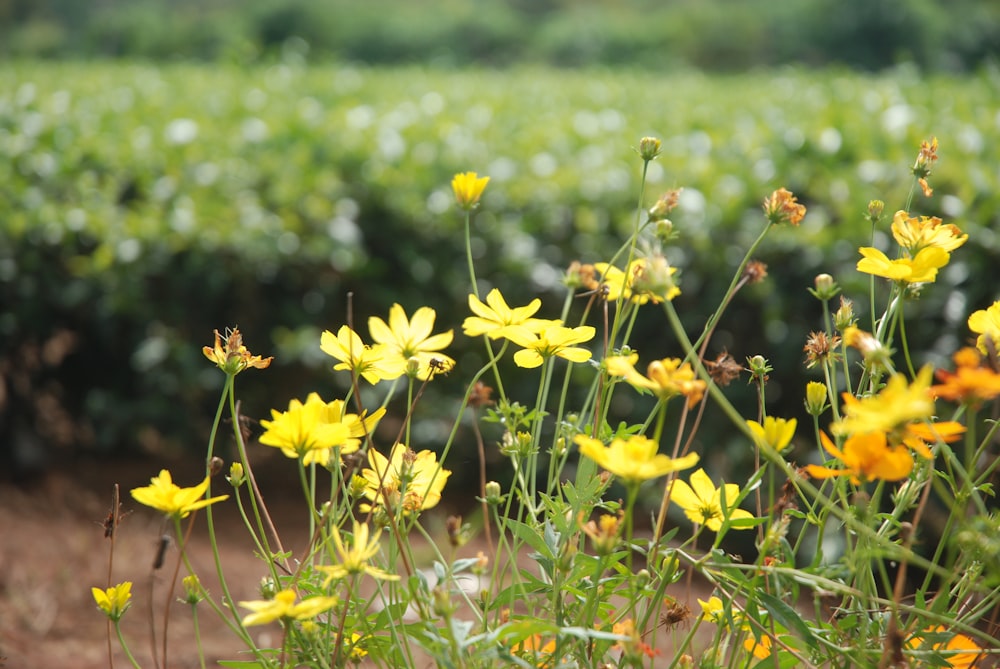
{"x":755,"y":271}
{"x":215,"y":465}
{"x":724,"y":369}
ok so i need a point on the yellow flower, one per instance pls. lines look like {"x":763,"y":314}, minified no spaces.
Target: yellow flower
{"x":234,"y":357}
{"x":310,"y":431}
{"x":374,"y":363}
{"x":284,"y":608}
{"x":897,"y":404}
{"x":922,"y":268}
{"x":412,"y":338}
{"x":495,"y":319}
{"x":634,"y":459}
{"x":115,"y":600}
{"x":357,"y":651}
{"x":959,"y":651}
{"x":163,"y":495}
{"x":775,"y":433}
{"x":972,"y":382}
{"x":986,"y":323}
{"x":406,"y":481}
{"x":761,"y":649}
{"x":702,"y":501}
{"x":816,"y":398}
{"x":712,"y":610}
{"x":354,"y":560}
{"x":866,"y":457}
{"x":468,"y":187}
{"x":917,"y":233}
{"x":553,"y":340}
{"x":666,"y":378}
{"x":782,"y":207}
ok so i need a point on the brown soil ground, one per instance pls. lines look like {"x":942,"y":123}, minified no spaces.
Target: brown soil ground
{"x":53,"y":550}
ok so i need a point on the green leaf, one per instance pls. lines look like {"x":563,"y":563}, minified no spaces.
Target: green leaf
{"x":787,"y":617}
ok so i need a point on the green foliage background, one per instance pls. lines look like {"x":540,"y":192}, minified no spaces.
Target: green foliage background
{"x":144,"y":206}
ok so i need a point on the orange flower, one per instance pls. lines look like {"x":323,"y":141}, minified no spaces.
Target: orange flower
{"x":865,"y":457}
{"x":233,"y":357}
{"x":782,"y":207}
{"x":971,"y":382}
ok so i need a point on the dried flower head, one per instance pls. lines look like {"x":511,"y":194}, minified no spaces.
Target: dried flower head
{"x":667,"y":202}
{"x":724,"y":369}
{"x":820,"y":348}
{"x":755,"y":271}
{"x":231,"y":356}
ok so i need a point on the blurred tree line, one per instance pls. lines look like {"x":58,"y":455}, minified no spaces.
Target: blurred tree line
{"x":948,"y":35}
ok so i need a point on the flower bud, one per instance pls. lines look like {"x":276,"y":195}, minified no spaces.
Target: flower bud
{"x":649,"y":148}
{"x":844,"y":318}
{"x":664,"y":231}
{"x":237,"y":476}
{"x":815,"y":398}
{"x":826,"y":287}
{"x":215,"y":466}
{"x":875,"y":209}
{"x":192,"y":589}
{"x":759,"y":367}
{"x":358,"y":485}
{"x":493,"y":493}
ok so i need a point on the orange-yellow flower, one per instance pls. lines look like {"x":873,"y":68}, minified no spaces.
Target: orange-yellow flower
{"x":781,"y":206}
{"x":958,"y":652}
{"x":866,"y":457}
{"x":232,"y":356}
{"x":665,"y":378}
{"x":915,"y":233}
{"x":971,"y":382}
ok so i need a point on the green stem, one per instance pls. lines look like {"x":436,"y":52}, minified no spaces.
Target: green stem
{"x":124,"y":646}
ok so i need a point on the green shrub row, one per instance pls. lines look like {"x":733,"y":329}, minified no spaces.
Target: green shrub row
{"x":142,"y":207}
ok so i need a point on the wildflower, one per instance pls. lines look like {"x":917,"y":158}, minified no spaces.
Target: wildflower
{"x":703,"y":502}
{"x":760,"y":648}
{"x":641,"y":282}
{"x":986,"y":323}
{"x":898,"y":404}
{"x":406,"y":481}
{"x":775,"y":433}
{"x":312,"y":430}
{"x":163,"y":495}
{"x":922,"y":268}
{"x":825,"y":287}
{"x":754,"y":272}
{"x":782,"y":207}
{"x":495,"y":319}
{"x":866,"y":457}
{"x":959,"y":651}
{"x":712,"y":610}
{"x":409,"y":338}
{"x":666,"y":378}
{"x":357,"y":651}
{"x":553,"y":340}
{"x":634,"y":459}
{"x":649,"y":148}
{"x":468,"y":187}
{"x":917,"y":233}
{"x":374,"y":363}
{"x":971,"y":381}
{"x":233,"y":357}
{"x":284,"y":608}
{"x":844,"y":318}
{"x":115,"y":600}
{"x":816,"y":397}
{"x":821,"y":348}
{"x":875,"y":209}
{"x":354,"y":560}
{"x":193,"y":589}
{"x":926,"y":158}
{"x":604,"y":533}
{"x":870,"y":348}
{"x":667,"y":202}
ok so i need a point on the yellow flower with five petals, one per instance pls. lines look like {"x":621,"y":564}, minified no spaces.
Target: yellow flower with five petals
{"x":164,"y":495}
{"x":634,"y":458}
{"x":410,"y":338}
{"x":311,"y":430}
{"x":496,"y":319}
{"x":986,"y":323}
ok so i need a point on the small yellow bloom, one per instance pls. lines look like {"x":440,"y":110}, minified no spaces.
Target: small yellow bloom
{"x":115,"y":600}
{"x":866,"y":457}
{"x":163,"y":495}
{"x":665,"y":378}
{"x":816,"y":398}
{"x":495,"y":319}
{"x":354,"y":560}
{"x":915,"y":233}
{"x":468,"y":187}
{"x":712,"y":610}
{"x":233,"y":357}
{"x":959,"y":651}
{"x":284,"y":608}
{"x":897,"y":404}
{"x":702,"y":501}
{"x":306,"y":431}
{"x":775,"y":433}
{"x":642,"y":281}
{"x":781,"y":206}
{"x":986,"y":323}
{"x":922,"y":268}
{"x":634,"y":458}
{"x":553,"y":340}
{"x":412,"y":338}
{"x":408,"y":482}
{"x":374,"y":363}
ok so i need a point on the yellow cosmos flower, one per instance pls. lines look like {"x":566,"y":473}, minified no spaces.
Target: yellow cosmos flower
{"x":897,"y":404}
{"x":866,"y":457}
{"x":115,"y":600}
{"x":374,"y":363}
{"x":959,"y":651}
{"x":553,"y":340}
{"x":761,"y":649}
{"x":495,"y":319}
{"x":665,"y":378}
{"x":634,"y":458}
{"x":163,"y":495}
{"x":233,"y":357}
{"x":406,"y":481}
{"x":284,"y":608}
{"x":468,"y":187}
{"x":354,"y":560}
{"x":917,"y":233}
{"x":312,"y":430}
{"x":986,"y":323}
{"x":921,"y":268}
{"x":775,"y":433}
{"x":412,"y":338}
{"x":702,"y":501}
{"x":971,"y":383}
{"x":712,"y":610}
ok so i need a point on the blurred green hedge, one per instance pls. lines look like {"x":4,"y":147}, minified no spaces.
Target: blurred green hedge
{"x":145,"y":206}
{"x":720,"y":35}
